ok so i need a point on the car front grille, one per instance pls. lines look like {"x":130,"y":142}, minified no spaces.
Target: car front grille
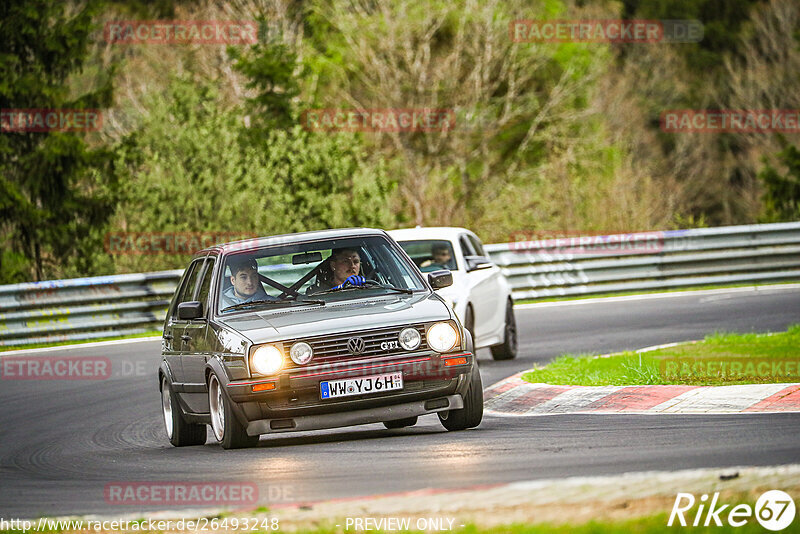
{"x":333,"y":347}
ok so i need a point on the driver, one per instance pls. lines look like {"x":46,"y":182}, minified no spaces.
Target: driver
{"x":344,"y":265}
{"x":441,"y":257}
{"x":245,"y":284}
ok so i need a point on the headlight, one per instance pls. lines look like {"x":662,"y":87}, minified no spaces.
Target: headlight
{"x":301,"y":353}
{"x":267,"y":360}
{"x":409,"y":338}
{"x":442,"y":337}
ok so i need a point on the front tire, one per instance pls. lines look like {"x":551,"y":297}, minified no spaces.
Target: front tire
{"x":226,"y":427}
{"x":472,"y":413}
{"x":179,"y":432}
{"x":401,"y":423}
{"x":507,"y":350}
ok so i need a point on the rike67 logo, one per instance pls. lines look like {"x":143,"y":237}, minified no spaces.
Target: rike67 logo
{"x":774,"y":510}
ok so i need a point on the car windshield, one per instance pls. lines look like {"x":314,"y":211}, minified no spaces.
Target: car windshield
{"x":431,"y":254}
{"x":314,"y":273}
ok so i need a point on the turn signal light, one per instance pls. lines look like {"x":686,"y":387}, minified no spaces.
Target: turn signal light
{"x":455,"y":361}
{"x":266,"y":386}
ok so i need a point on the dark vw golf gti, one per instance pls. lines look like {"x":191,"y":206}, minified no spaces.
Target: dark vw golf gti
{"x":309,"y":331}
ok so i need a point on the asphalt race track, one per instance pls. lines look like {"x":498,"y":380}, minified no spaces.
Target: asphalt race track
{"x":61,"y":442}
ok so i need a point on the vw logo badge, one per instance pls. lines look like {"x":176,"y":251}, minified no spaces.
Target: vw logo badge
{"x":356,"y":345}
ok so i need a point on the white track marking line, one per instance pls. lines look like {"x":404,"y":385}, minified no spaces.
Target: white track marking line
{"x":508,"y":396}
{"x":649,"y":296}
{"x":719,"y":399}
{"x":80,"y":346}
{"x":574,"y":399}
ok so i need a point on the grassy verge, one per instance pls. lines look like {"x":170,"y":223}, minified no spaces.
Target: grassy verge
{"x":80,"y":342}
{"x":720,"y":359}
{"x":653,"y":292}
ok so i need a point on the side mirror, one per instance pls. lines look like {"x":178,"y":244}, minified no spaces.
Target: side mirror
{"x":477,"y":262}
{"x":190,"y":310}
{"x":440,"y":279}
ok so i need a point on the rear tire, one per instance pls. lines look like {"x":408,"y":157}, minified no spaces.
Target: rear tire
{"x":472,"y":413}
{"x":226,"y":427}
{"x":507,"y":350}
{"x":401,"y":423}
{"x":179,"y":432}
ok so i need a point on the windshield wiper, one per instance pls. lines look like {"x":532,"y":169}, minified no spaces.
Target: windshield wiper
{"x":398,"y":289}
{"x":263,"y":302}
{"x":302,"y":301}
{"x":371,"y":284}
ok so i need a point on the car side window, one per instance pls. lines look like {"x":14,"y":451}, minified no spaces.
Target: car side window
{"x":189,"y":284}
{"x":205,"y":285}
{"x":477,"y":245}
{"x":466,"y":246}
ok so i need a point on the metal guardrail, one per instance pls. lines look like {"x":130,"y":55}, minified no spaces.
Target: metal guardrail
{"x":85,"y":308}
{"x":105,"y":306}
{"x":650,"y":260}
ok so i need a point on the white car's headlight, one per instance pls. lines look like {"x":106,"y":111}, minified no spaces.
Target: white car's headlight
{"x":301,"y":353}
{"x":442,"y":337}
{"x":409,"y":338}
{"x":267,"y":360}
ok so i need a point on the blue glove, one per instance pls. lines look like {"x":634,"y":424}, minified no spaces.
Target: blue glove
{"x":353,"y":280}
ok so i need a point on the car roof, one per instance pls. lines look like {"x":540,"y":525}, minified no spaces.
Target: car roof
{"x":300,"y":237}
{"x":430,"y":232}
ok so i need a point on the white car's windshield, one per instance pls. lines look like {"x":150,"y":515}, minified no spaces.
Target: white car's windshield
{"x":431,"y":254}
{"x":314,"y":273}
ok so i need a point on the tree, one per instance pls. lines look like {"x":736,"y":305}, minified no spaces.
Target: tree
{"x":193,"y":166}
{"x":782,"y":190}
{"x":52,"y":195}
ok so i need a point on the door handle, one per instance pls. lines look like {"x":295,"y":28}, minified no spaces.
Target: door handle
{"x":184,"y":337}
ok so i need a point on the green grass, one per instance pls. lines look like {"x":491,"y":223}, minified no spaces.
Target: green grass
{"x":720,"y":359}
{"x":652,"y":292}
{"x":150,"y":333}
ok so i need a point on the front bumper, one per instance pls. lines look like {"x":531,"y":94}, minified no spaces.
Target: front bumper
{"x":295,"y":403}
{"x":355,"y":417}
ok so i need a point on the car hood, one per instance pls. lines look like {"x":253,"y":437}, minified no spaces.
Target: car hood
{"x":262,"y":326}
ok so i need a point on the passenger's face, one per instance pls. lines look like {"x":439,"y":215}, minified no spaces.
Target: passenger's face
{"x":245,"y":282}
{"x":442,"y":257}
{"x":344,"y":265}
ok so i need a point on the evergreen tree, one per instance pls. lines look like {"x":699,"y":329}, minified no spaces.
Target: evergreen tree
{"x":52,"y":199}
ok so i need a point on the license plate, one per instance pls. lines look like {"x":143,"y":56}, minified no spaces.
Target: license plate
{"x":360,"y":386}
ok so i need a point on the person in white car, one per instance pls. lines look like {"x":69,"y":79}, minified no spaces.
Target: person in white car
{"x":441,"y":258}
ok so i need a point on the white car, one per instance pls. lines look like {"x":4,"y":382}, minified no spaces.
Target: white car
{"x":480,"y":294}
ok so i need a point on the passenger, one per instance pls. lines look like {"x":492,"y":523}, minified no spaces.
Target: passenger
{"x":344,"y":265}
{"x":245,"y":284}
{"x":441,"y":258}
